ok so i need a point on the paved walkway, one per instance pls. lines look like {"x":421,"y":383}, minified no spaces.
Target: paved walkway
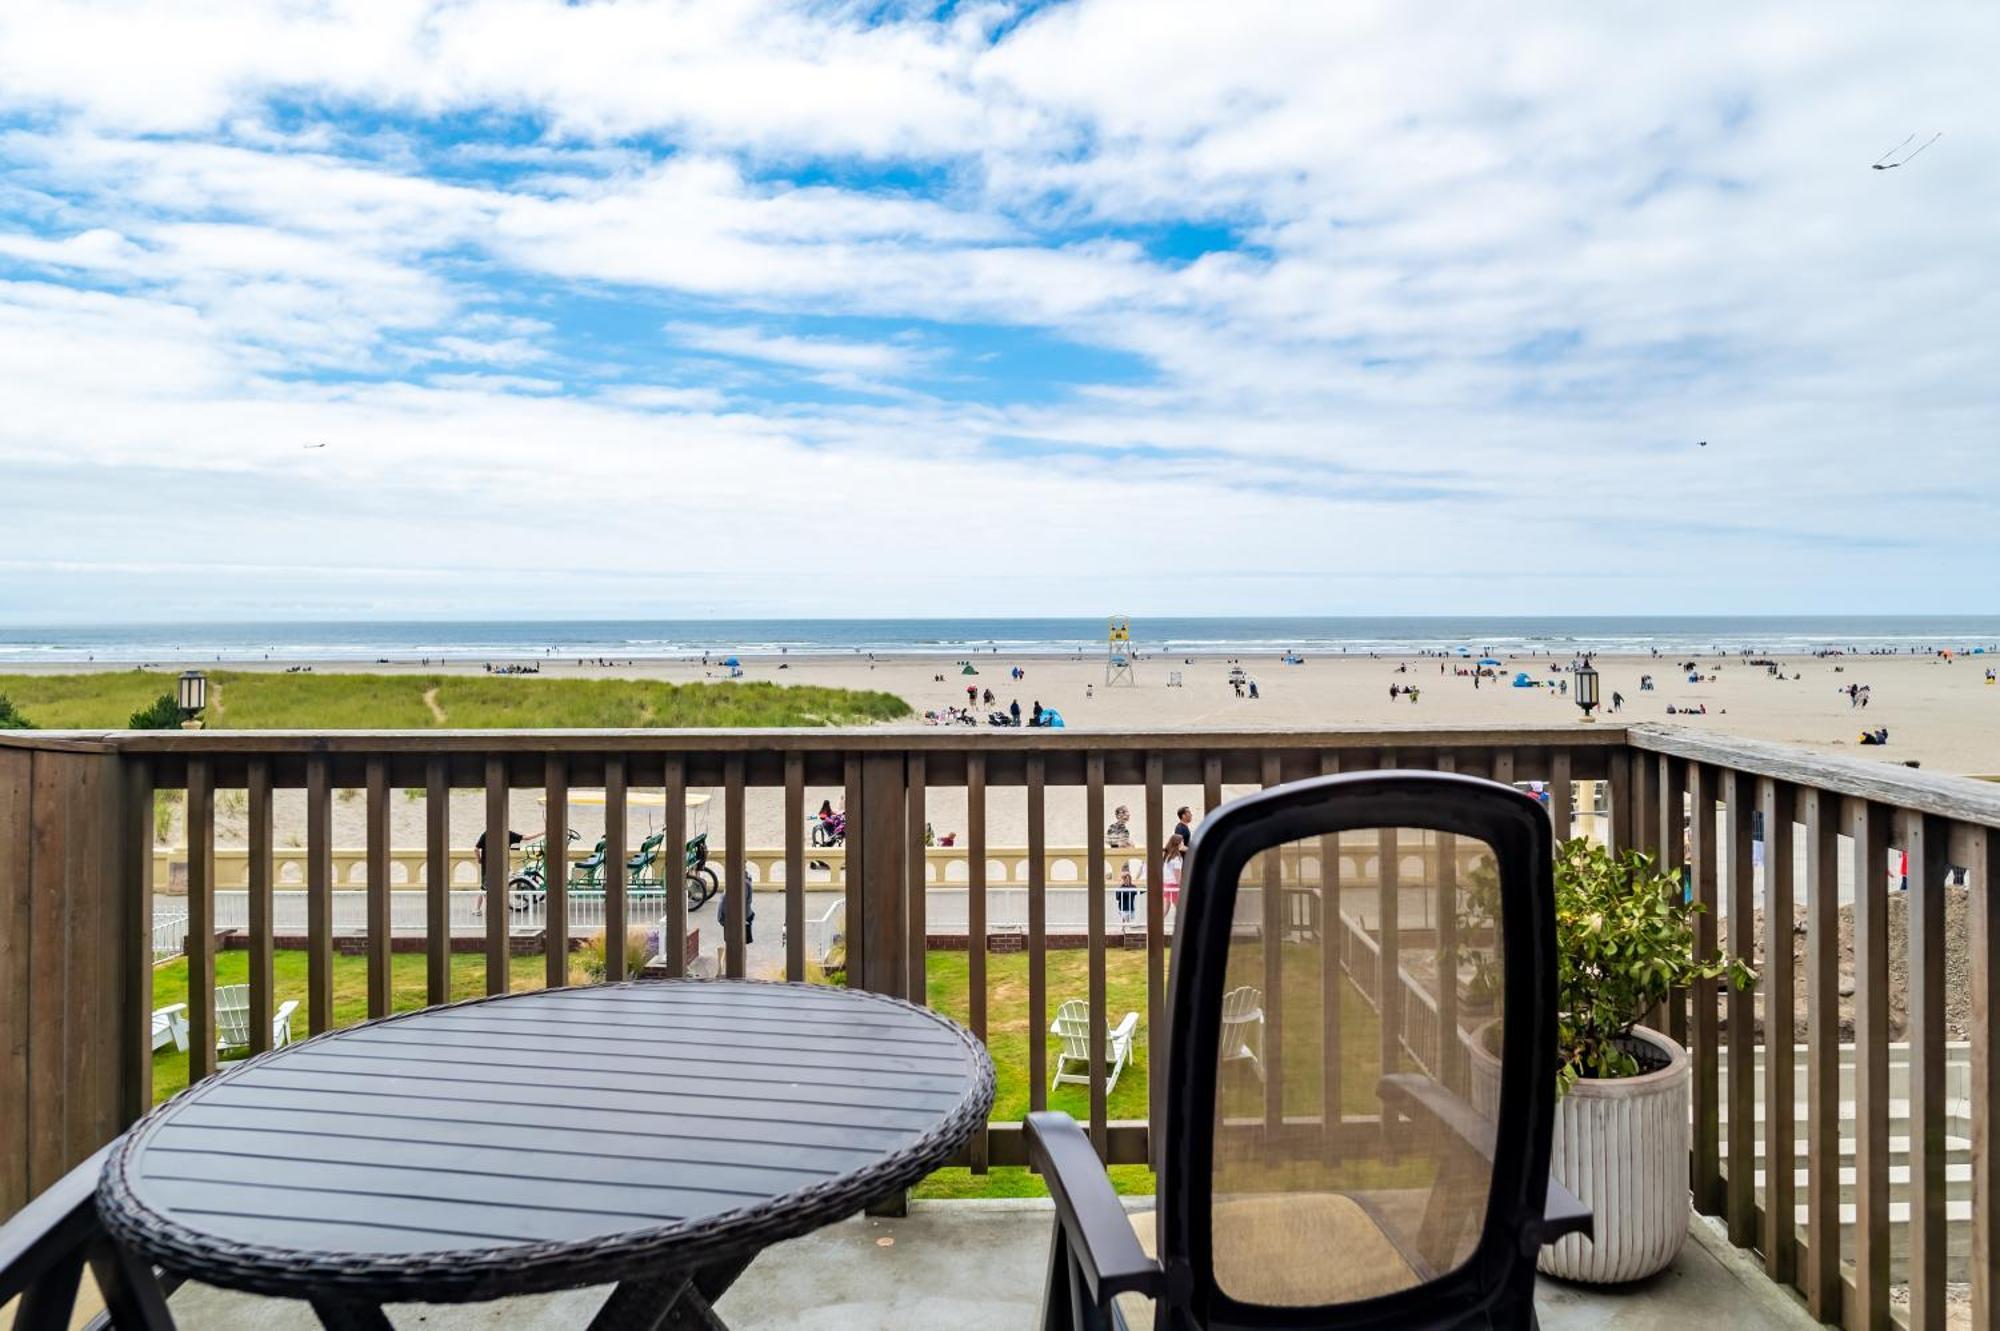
{"x":976,"y":1266}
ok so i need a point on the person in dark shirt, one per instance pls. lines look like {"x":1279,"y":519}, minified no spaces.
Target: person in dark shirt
{"x":749,"y":910}
{"x":479,"y":852}
{"x":1183,"y":820}
{"x":1014,"y":710}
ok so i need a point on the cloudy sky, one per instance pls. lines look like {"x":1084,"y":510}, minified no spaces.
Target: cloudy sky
{"x":511,"y":307}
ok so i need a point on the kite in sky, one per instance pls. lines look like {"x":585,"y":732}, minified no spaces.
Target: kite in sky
{"x":1883,"y":163}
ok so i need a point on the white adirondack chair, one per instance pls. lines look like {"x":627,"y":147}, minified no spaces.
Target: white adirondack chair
{"x":1072,"y":1027}
{"x":170,"y":1027}
{"x":232,"y":1019}
{"x":1243,"y":1027}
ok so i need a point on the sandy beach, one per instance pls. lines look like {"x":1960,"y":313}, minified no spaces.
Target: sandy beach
{"x":1941,"y":714}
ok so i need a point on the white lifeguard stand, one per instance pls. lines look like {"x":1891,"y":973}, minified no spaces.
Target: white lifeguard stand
{"x":1118,"y":652}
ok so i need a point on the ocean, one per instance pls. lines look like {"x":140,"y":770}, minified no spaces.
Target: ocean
{"x":496,"y":640}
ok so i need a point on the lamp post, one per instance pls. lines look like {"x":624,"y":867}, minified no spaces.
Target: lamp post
{"x":193,"y":697}
{"x":1586,"y":688}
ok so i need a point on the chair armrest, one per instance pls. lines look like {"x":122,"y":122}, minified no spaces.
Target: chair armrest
{"x":1562,"y":1213}
{"x":283,"y":1016}
{"x":1106,"y":1250}
{"x":53,"y":1225}
{"x":170,"y":1009}
{"x":1441,"y":1107}
{"x":1124,"y":1027}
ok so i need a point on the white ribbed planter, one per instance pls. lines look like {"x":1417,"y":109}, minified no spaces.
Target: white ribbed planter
{"x":1621,"y":1147}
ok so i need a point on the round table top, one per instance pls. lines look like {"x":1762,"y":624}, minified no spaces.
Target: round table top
{"x":546,"y":1140}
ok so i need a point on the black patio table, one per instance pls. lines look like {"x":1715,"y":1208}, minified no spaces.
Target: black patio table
{"x":656,"y":1135}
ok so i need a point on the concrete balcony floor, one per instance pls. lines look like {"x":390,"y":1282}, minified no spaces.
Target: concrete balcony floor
{"x":977,"y":1266}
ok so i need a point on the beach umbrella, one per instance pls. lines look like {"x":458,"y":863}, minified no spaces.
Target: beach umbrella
{"x":1487,"y":660}
{"x":968,"y":669}
{"x":731,"y":662}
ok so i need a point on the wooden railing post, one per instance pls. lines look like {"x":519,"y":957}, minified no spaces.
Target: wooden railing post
{"x":134,"y":917}
{"x":1705,"y":1170}
{"x":1822,"y":1278}
{"x":70,"y":949}
{"x":1867,"y":827}
{"x":1923,"y":840}
{"x":1983,"y":851}
{"x":884,"y":921}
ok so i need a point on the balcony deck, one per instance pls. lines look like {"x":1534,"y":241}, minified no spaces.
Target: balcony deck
{"x":1885,"y":1219}
{"x":977,"y":1266}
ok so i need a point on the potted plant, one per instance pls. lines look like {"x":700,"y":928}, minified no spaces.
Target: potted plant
{"x":1624,"y":943}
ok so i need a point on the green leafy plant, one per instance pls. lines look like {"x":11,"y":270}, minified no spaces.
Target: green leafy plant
{"x":11,"y":718}
{"x":1478,"y":902}
{"x":163,"y":713}
{"x":1624,"y":942}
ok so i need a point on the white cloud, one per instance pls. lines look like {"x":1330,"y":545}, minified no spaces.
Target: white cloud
{"x":1496,"y":271}
{"x":807,"y":353}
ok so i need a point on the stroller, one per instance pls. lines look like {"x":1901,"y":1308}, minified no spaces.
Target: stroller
{"x":1000,"y":719}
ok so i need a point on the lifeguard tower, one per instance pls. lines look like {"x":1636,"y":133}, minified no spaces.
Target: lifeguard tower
{"x":1118,"y":652}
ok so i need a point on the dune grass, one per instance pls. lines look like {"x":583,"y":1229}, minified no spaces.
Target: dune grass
{"x":262,"y":700}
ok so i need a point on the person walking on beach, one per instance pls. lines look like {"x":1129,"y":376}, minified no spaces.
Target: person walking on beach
{"x":1014,"y":710}
{"x":1617,"y":700}
{"x":971,"y":695}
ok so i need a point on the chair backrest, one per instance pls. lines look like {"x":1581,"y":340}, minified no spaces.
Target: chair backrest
{"x":232,"y":1014}
{"x":1366,"y":1125}
{"x":1073,"y":1028}
{"x":1240,"y":1002}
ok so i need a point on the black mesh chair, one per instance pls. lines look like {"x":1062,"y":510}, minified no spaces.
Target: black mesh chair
{"x":1359,"y":1097}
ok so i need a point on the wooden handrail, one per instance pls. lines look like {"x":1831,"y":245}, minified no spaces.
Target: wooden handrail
{"x":1946,"y":796}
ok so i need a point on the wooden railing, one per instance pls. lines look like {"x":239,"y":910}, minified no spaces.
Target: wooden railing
{"x":77,"y":861}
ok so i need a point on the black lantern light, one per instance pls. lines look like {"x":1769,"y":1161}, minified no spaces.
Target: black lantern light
{"x":193,"y":695}
{"x":1586,"y":688}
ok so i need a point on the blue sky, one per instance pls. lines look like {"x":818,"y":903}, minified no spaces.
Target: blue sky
{"x":749,"y":307}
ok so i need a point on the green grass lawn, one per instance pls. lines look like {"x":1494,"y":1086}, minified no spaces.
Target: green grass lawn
{"x":264,"y":700}
{"x":1007,"y":1033}
{"x":350,"y":992}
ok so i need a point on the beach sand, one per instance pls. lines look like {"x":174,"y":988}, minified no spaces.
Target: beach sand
{"x":1941,"y":714}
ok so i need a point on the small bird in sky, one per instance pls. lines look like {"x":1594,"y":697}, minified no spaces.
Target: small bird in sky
{"x":321,"y":445}
{"x":1883,"y":163}
{"x":1704,"y":443}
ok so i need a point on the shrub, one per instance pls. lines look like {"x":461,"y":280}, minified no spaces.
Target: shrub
{"x":1624,"y":941}
{"x":163,"y":713}
{"x":590,"y":958}
{"x":11,"y":718}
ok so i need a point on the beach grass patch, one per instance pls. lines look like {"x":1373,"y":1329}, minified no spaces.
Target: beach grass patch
{"x":266,"y":700}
